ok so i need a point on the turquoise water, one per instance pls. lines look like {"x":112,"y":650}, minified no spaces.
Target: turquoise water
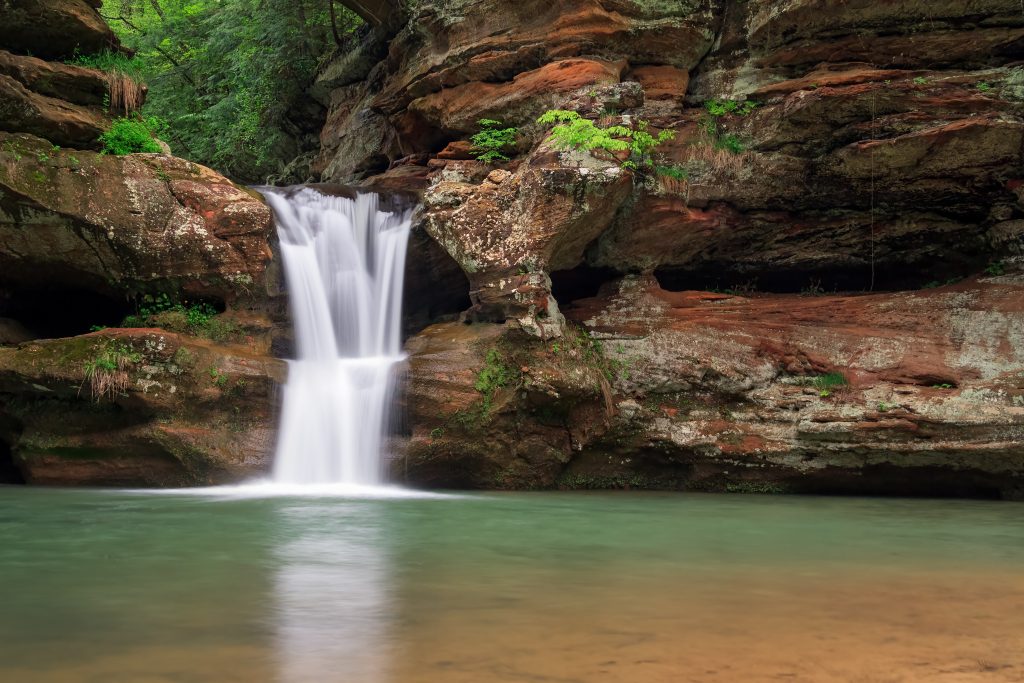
{"x":119,"y":586}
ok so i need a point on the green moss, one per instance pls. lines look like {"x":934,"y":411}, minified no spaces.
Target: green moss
{"x":496,"y":374}
{"x":756,"y":487}
{"x":634,"y":481}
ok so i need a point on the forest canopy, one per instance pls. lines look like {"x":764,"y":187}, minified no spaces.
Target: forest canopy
{"x":230,"y":77}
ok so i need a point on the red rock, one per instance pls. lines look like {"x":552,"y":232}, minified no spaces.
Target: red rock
{"x":662,"y":82}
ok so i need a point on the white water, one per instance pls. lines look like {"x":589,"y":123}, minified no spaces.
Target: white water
{"x":344,"y":263}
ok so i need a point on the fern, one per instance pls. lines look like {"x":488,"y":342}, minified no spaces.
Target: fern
{"x":489,"y":143}
{"x":572,"y":131}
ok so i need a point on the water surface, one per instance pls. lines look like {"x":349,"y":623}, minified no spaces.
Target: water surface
{"x":116,"y":586}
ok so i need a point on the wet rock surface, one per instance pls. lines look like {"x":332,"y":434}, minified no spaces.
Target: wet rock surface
{"x":125,"y":224}
{"x":177,"y":411}
{"x":874,"y":189}
{"x":861,"y":228}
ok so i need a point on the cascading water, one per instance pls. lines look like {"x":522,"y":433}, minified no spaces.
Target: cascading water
{"x":344,"y":262}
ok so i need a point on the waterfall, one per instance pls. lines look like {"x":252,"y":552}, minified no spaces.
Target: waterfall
{"x":344,"y":262}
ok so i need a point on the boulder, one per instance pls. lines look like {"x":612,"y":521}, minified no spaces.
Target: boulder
{"x":54,"y":29}
{"x":56,"y":120}
{"x":138,"y":408}
{"x":510,"y":230}
{"x":73,"y":84}
{"x":142,"y":222}
{"x":899,"y":393}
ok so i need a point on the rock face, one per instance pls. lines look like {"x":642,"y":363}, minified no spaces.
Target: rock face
{"x":179,"y":411}
{"x":719,"y":392}
{"x":863,"y":214}
{"x":820,"y":290}
{"x":59,"y":102}
{"x":84,"y":235}
{"x":126,"y":224}
{"x":54,"y":29}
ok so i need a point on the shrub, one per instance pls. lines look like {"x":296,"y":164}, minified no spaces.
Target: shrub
{"x":130,"y":136}
{"x":489,"y":143}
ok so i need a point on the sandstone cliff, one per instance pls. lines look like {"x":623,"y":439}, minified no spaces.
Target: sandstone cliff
{"x":862,"y":226}
{"x":85,"y":238}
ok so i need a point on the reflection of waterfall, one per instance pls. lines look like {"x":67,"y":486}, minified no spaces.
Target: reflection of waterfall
{"x":344,"y":260}
{"x":333,"y":601}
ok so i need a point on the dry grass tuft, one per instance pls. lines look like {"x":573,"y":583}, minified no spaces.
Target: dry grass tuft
{"x":126,"y":95}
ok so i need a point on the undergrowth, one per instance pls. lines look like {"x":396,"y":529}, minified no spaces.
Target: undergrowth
{"x":132,"y":135}
{"x":199,"y":319}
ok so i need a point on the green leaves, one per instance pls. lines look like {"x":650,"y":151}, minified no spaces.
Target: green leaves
{"x":489,"y":143}
{"x":720,"y":108}
{"x":231,"y":77}
{"x":129,"y":136}
{"x":572,"y":131}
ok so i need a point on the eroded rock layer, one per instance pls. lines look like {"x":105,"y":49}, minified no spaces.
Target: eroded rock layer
{"x":174,"y":252}
{"x":860,"y":219}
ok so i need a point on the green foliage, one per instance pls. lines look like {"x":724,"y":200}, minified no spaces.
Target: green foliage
{"x":107,"y":372}
{"x":995,"y":269}
{"x":731,"y":143}
{"x":195,"y":318}
{"x":944,"y":385}
{"x":231,"y":77}
{"x":218,"y":378}
{"x":129,"y":136}
{"x":493,"y":138}
{"x":984,"y":87}
{"x":717,"y":109}
{"x":496,"y":374}
{"x":111,"y":62}
{"x":675,"y":172}
{"x":828,"y":383}
{"x":920,"y":80}
{"x":572,"y":131}
{"x":720,"y":108}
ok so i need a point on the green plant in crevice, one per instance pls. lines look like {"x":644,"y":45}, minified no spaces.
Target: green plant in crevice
{"x":719,"y":108}
{"x":107,"y":372}
{"x":676,"y":172}
{"x":494,"y":138}
{"x":995,"y":269}
{"x":218,"y":378}
{"x":920,"y":80}
{"x":496,"y":374}
{"x":731,"y":142}
{"x":983,"y":86}
{"x":826,"y":384}
{"x":195,"y":318}
{"x":131,"y":136}
{"x":571,"y":131}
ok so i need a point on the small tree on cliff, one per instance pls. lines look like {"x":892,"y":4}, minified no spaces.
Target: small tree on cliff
{"x":492,"y":140}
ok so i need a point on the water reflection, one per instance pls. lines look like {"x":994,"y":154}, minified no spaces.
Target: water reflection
{"x":333,"y":595}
